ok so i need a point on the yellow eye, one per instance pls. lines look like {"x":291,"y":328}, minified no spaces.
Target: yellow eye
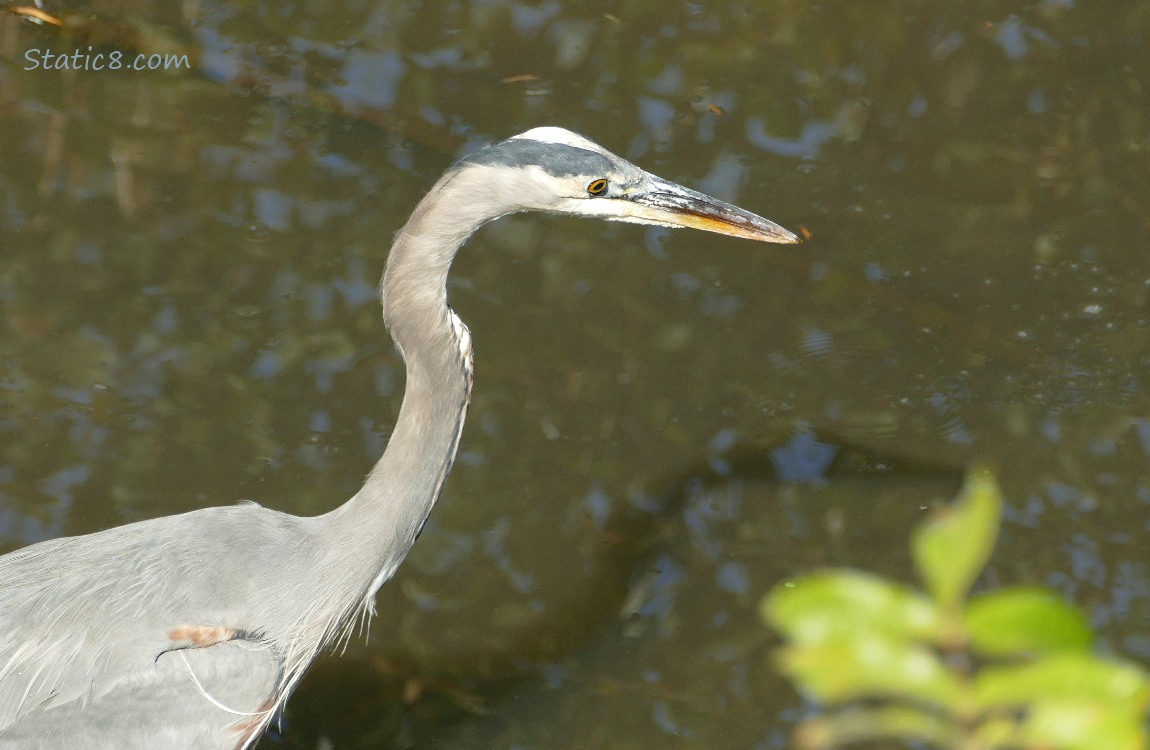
{"x":597,"y":187}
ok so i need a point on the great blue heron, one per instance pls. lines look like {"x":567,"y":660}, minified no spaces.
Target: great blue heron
{"x":190,"y":631}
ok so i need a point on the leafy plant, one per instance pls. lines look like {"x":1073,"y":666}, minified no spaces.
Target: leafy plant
{"x":1011,"y":668}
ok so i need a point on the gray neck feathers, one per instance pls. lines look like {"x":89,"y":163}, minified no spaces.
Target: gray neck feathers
{"x":386,"y":515}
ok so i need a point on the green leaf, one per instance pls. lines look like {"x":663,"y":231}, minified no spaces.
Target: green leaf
{"x":825,"y":606}
{"x":951,"y":548}
{"x":1063,"y":726}
{"x":856,"y":725}
{"x":997,"y":732}
{"x":1064,"y":678}
{"x":869,"y":665}
{"x":1025,"y":621}
{"x":1078,"y":726}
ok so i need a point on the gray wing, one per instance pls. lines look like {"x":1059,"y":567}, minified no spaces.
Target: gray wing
{"x":160,"y":706}
{"x":93,"y":628}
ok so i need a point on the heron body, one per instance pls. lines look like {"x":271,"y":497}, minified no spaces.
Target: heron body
{"x":190,"y":631}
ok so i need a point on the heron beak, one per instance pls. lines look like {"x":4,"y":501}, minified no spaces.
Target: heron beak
{"x":660,"y":201}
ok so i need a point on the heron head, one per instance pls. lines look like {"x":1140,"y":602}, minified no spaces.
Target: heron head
{"x":553,"y":169}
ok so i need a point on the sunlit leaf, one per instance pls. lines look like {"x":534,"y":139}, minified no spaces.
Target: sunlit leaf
{"x":951,"y":548}
{"x":1064,"y":678}
{"x":997,"y":732}
{"x":831,"y":604}
{"x":855,"y":725}
{"x":1025,"y":621}
{"x":869,"y":665}
{"x":1064,"y":726}
{"x":1082,"y":726}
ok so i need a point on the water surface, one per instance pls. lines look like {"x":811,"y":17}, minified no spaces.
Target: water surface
{"x":188,"y":318}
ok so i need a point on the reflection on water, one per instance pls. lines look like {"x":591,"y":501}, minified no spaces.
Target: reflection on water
{"x":188,"y":318}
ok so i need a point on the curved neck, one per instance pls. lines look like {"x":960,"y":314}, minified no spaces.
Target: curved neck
{"x":386,"y":515}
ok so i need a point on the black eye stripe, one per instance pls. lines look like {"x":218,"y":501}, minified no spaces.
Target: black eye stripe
{"x":597,"y":187}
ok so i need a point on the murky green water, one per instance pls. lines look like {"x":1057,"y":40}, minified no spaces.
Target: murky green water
{"x":187,"y":263}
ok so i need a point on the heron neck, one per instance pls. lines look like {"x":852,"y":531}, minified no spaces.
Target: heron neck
{"x":387,"y":514}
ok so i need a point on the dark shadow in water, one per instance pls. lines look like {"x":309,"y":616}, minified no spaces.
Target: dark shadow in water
{"x":365,"y":701}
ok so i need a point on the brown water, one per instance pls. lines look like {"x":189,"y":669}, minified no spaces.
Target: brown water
{"x":187,"y":263}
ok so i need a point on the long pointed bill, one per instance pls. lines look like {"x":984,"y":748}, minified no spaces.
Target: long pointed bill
{"x":660,"y":201}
